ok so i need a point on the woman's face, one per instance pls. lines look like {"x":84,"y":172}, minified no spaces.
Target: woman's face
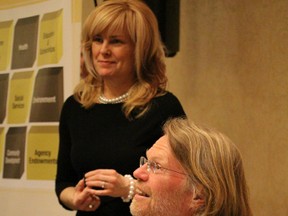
{"x":113,"y":56}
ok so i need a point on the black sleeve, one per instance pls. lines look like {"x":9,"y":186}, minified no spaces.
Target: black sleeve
{"x":171,"y":106}
{"x":65,"y":175}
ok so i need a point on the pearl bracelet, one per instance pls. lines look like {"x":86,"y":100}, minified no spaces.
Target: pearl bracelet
{"x":131,"y":189}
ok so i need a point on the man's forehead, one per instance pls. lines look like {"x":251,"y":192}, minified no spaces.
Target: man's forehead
{"x":160,"y":148}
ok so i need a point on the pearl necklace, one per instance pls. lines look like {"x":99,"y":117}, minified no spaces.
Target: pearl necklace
{"x":103,"y":100}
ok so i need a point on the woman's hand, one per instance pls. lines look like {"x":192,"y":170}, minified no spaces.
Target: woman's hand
{"x":83,"y":200}
{"x":79,"y":198}
{"x":106,"y":182}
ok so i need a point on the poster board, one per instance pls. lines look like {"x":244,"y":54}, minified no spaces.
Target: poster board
{"x":36,"y":76}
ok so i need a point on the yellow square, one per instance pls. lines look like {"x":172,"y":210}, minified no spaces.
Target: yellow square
{"x":20,"y":97}
{"x":42,"y":151}
{"x":50,"y":38}
{"x":5,"y":44}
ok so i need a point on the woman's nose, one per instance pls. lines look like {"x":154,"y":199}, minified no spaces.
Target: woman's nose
{"x":105,"y":49}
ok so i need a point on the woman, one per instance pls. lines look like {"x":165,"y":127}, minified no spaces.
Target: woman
{"x":117,"y":110}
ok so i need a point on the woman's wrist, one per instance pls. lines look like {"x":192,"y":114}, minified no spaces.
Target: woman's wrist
{"x":131,"y":189}
{"x":66,"y":198}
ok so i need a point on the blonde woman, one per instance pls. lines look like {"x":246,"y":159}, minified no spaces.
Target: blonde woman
{"x":117,"y":111}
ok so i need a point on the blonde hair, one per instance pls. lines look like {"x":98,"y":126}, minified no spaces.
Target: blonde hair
{"x":134,"y":17}
{"x":215,"y":167}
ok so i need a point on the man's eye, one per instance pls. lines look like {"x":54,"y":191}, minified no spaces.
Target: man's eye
{"x":157,"y":166}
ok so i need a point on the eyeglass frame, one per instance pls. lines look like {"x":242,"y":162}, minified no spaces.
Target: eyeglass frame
{"x":156,"y":166}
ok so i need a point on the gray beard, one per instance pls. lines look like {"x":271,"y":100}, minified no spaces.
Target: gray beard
{"x":171,"y":207}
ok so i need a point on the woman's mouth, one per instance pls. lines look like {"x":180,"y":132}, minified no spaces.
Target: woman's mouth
{"x":105,"y":63}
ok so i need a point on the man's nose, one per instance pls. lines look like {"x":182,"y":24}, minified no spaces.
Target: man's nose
{"x":141,"y":173}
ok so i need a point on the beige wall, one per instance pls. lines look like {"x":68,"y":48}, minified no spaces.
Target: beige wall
{"x":4,"y":4}
{"x":232,"y":73}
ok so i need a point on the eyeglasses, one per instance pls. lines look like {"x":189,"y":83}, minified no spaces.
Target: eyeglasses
{"x":155,"y":167}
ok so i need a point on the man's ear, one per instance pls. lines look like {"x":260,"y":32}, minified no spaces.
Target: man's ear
{"x":198,"y":201}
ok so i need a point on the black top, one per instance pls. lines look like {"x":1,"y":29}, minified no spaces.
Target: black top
{"x":101,"y":137}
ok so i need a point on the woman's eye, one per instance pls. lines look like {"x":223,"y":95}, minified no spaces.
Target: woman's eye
{"x":97,"y":39}
{"x":115,"y":41}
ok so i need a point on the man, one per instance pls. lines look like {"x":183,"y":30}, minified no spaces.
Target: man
{"x":190,"y":171}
